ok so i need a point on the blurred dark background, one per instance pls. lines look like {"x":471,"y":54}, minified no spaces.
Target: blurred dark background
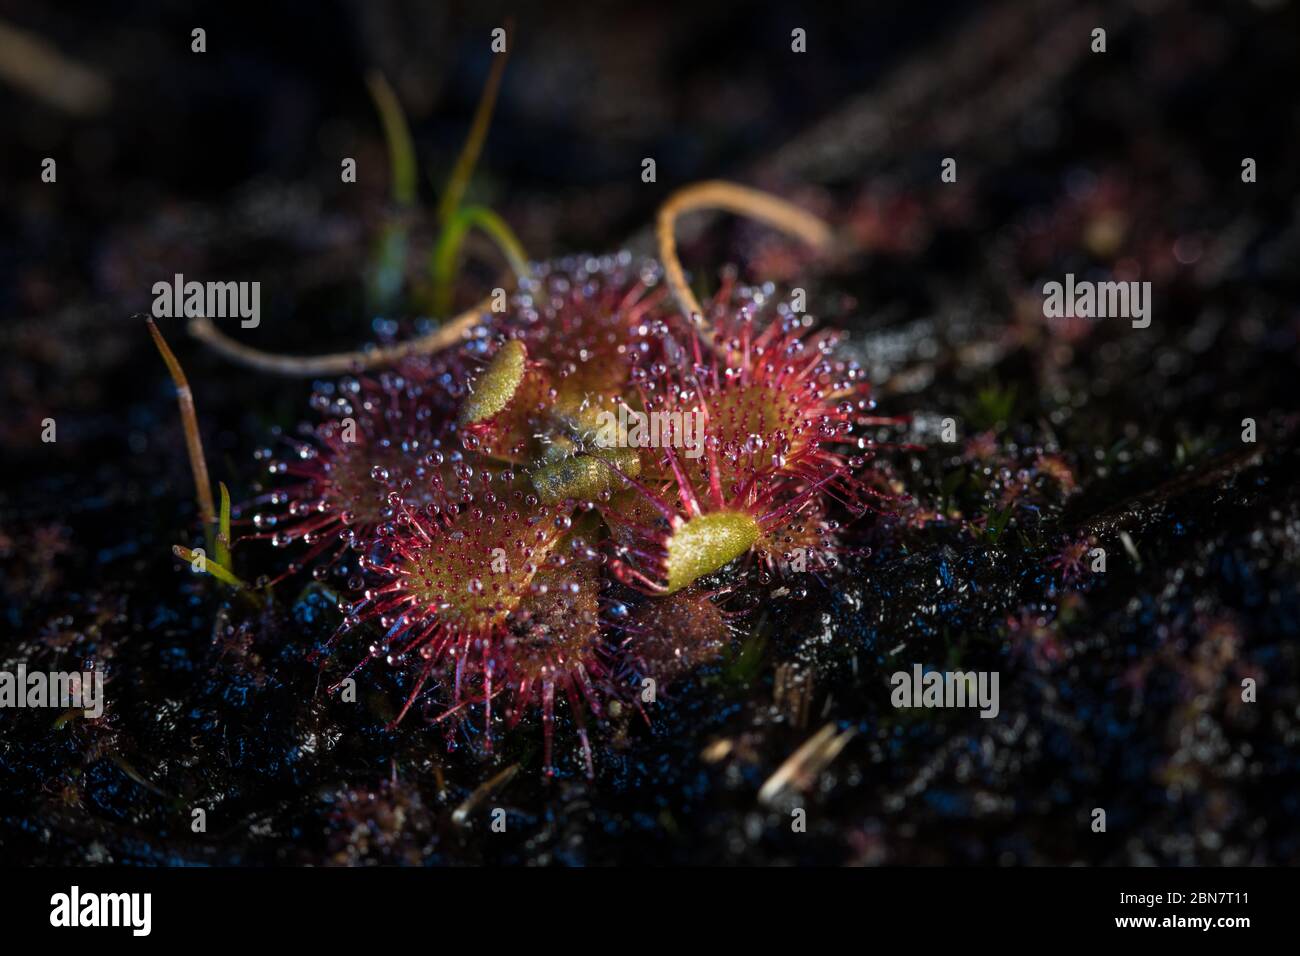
{"x":279,"y":96}
{"x":226,"y":164}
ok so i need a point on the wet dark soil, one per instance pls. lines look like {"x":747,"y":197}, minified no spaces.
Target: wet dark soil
{"x":1120,"y":690}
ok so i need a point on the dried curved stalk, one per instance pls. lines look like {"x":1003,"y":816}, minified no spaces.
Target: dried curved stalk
{"x":729,"y":197}
{"x":190,"y":423}
{"x":339,"y":363}
{"x":707,"y":195}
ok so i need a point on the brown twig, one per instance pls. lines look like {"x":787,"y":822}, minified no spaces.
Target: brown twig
{"x":801,"y":768}
{"x":481,"y":792}
{"x":339,"y":363}
{"x":190,"y":422}
{"x":711,"y":194}
{"x":729,"y":197}
{"x":38,"y":69}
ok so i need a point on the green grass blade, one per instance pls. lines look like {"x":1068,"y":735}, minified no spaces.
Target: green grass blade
{"x":211,"y":566}
{"x":223,"y":533}
{"x":397,"y":134}
{"x":458,"y":181}
{"x":387,"y":272}
{"x":443,"y":259}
